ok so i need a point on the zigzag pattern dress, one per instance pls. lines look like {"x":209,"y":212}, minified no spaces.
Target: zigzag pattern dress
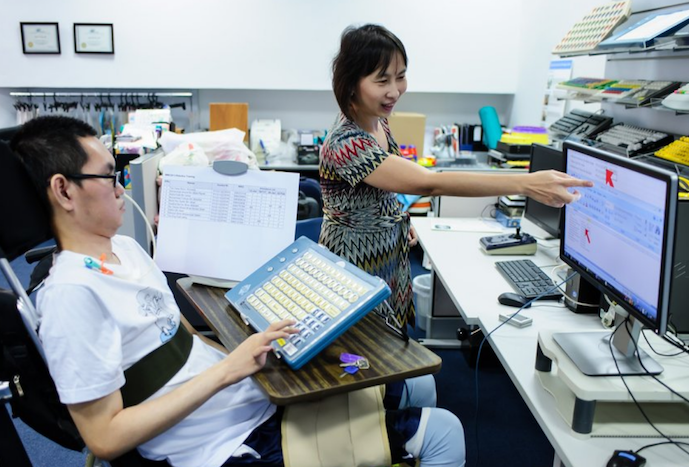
{"x":361,"y":223}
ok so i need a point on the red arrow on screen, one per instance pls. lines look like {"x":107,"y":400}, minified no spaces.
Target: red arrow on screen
{"x":586,"y":233}
{"x":608,"y":178}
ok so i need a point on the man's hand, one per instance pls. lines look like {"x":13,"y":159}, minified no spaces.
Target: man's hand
{"x":250,"y":356}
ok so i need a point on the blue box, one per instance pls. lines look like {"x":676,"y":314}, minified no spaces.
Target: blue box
{"x":506,"y":220}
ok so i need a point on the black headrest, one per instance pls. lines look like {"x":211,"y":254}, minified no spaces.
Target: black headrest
{"x":24,"y":218}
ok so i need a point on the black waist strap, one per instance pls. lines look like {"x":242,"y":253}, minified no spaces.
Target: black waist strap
{"x":151,"y":373}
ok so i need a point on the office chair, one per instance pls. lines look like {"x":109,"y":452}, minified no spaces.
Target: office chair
{"x":312,"y":189}
{"x":310,"y":228}
{"x":33,"y":398}
{"x":6,"y":134}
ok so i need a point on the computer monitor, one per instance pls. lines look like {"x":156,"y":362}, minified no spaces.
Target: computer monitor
{"x":542,"y":215}
{"x":619,"y":237}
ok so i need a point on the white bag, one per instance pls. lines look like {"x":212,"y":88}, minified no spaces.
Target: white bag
{"x":184,"y":154}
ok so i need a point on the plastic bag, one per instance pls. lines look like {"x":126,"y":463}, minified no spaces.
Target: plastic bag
{"x":232,"y":151}
{"x":218,"y":145}
{"x":184,"y":154}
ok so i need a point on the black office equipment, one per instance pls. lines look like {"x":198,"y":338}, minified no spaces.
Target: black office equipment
{"x":513,"y":299}
{"x":528,"y":279}
{"x":621,"y":238}
{"x":544,"y":216}
{"x":579,"y":123}
{"x":629,"y":140}
{"x":307,"y":154}
{"x":510,"y":244}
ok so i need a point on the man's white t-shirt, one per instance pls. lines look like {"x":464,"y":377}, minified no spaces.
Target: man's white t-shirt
{"x":95,"y":325}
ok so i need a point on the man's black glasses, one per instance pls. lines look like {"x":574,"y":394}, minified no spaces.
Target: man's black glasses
{"x":114,"y":177}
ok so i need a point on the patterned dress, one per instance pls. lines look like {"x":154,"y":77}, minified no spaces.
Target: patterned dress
{"x":361,"y":223}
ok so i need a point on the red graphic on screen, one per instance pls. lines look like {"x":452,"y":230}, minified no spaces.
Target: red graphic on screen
{"x":586,"y":233}
{"x":608,"y":178}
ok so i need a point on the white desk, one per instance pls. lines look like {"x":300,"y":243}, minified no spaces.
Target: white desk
{"x":474,"y":283}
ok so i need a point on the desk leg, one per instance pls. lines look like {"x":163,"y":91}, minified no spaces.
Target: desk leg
{"x":445,"y":319}
{"x":557,"y":462}
{"x":442,"y":333}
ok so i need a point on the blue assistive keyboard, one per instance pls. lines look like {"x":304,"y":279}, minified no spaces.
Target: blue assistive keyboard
{"x":323,"y":293}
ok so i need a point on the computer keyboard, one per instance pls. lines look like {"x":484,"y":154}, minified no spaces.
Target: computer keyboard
{"x":620,"y":89}
{"x":324,"y":294}
{"x":580,"y":123}
{"x":583,"y":85}
{"x":677,"y":151}
{"x":528,"y":279}
{"x":652,"y":89}
{"x":630,"y":140}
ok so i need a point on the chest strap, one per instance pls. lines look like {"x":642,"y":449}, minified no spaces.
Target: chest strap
{"x":151,"y":373}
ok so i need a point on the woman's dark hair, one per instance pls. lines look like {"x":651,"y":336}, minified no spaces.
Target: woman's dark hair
{"x":50,"y":145}
{"x":363,"y":50}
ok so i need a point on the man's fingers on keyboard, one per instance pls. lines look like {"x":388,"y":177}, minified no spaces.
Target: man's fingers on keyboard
{"x":281,"y":325}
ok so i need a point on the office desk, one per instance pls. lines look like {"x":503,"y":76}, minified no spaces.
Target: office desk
{"x":473,"y":283}
{"x":390,"y":357}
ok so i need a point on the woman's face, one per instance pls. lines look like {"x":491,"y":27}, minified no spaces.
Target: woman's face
{"x":377,"y":93}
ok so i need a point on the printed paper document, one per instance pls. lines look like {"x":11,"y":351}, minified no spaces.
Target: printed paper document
{"x":224,"y":227}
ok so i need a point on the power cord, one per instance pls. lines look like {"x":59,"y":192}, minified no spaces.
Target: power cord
{"x":625,"y":323}
{"x":148,"y":224}
{"x":480,"y":348}
{"x":569,"y":298}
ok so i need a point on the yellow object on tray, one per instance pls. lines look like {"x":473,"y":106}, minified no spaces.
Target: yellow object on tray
{"x":526,"y":135}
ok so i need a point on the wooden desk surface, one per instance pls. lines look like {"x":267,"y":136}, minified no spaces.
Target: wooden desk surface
{"x":390,"y":357}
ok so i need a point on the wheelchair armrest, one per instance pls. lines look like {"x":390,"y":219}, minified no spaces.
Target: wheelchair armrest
{"x":37,"y":254}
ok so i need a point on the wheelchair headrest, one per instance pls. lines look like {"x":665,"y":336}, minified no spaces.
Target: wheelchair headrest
{"x":25,"y":219}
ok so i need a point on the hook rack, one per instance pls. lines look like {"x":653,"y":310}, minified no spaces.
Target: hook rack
{"x":100,"y":94}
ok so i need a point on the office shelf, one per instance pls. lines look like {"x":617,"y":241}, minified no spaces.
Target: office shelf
{"x":655,"y":104}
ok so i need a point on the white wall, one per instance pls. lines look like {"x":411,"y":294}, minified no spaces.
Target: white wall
{"x":544,"y":24}
{"x":275,"y":54}
{"x":258,"y":44}
{"x":317,"y":109}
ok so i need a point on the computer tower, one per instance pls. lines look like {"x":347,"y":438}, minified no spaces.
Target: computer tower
{"x":679,"y":288}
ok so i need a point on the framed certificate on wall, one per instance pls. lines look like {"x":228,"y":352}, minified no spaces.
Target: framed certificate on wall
{"x":40,"y":38}
{"x":94,"y":38}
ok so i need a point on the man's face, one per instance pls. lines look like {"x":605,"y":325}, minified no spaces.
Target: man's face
{"x":98,"y":205}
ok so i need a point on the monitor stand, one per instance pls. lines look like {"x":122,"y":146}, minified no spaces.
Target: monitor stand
{"x":607,"y":354}
{"x":602,"y":406}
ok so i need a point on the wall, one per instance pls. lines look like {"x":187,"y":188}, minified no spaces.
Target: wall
{"x":317,"y":109}
{"x":547,"y":23}
{"x":463,"y":54}
{"x":257,"y":44}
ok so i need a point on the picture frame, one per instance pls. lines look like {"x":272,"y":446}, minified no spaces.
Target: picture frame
{"x":94,"y":38}
{"x":40,"y":38}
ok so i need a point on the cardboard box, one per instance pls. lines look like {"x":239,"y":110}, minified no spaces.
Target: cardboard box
{"x":408,"y":128}
{"x":230,"y":115}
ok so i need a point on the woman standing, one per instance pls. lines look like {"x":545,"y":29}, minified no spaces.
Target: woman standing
{"x":360,"y":174}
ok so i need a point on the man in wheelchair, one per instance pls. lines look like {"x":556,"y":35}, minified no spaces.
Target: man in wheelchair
{"x":131,"y":370}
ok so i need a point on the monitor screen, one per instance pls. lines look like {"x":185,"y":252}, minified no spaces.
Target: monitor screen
{"x":544,"y":216}
{"x":619,"y":236}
